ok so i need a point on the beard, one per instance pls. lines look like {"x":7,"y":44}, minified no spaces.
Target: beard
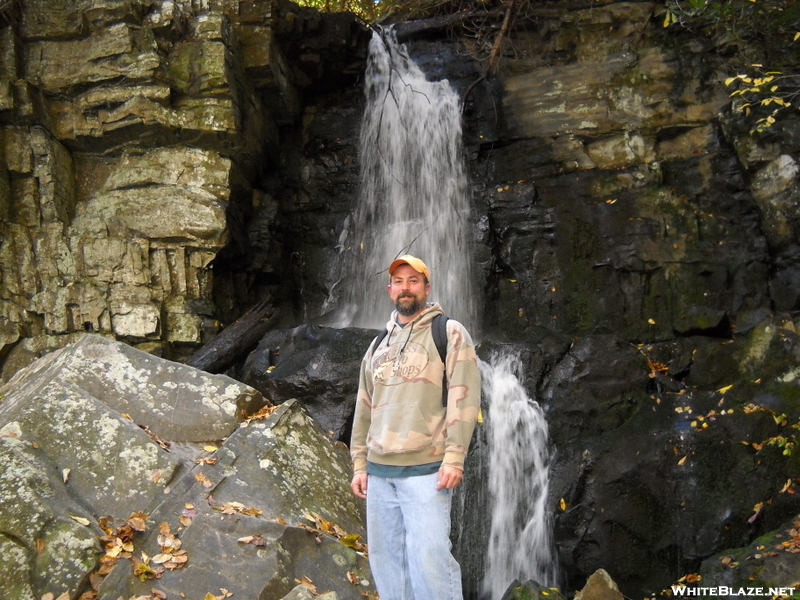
{"x":411,"y":308}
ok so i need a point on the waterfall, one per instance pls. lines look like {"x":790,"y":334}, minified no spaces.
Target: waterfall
{"x":413,"y":192}
{"x":520,"y":540}
{"x":413,"y":199}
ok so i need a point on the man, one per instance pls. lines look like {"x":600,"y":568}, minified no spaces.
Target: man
{"x":409,"y":441}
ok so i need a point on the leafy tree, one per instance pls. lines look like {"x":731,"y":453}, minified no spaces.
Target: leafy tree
{"x":759,"y":32}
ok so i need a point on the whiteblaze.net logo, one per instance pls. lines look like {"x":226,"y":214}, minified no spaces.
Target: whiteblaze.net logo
{"x":722,"y":590}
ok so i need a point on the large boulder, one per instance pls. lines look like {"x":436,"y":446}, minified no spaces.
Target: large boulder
{"x":290,"y":481}
{"x":769,"y":562}
{"x":98,"y":434}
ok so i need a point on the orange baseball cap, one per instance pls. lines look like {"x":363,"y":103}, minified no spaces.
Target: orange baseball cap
{"x":413,"y":262}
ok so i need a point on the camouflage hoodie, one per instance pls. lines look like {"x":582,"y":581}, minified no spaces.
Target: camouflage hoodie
{"x":400,"y":418}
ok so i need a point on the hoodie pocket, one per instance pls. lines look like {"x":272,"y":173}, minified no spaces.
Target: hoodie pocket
{"x":400,"y":428}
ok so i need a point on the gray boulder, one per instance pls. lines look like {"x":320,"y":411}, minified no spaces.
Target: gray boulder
{"x":98,"y":432}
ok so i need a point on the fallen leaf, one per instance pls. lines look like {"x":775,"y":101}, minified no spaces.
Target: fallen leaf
{"x":137,"y":521}
{"x":65,"y":474}
{"x":210,"y":448}
{"x":161,"y":558}
{"x":80,"y":520}
{"x":204,"y":480}
{"x":562,"y":504}
{"x":308,"y":584}
{"x":683,"y":460}
{"x":180,"y":559}
{"x":722,"y":390}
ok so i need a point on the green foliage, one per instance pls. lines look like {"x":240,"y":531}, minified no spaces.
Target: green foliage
{"x":373,"y":11}
{"x":759,"y":32}
{"x":366,"y":9}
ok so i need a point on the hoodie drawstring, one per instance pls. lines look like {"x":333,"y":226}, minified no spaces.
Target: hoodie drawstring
{"x":410,"y":331}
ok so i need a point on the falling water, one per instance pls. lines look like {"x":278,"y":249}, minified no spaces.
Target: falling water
{"x":413,"y":196}
{"x":413,"y":200}
{"x":520,"y":540}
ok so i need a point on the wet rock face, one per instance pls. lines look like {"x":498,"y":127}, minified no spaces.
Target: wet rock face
{"x":99,"y":431}
{"x":317,"y":365}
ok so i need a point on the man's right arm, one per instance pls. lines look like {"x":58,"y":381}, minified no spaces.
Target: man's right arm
{"x":361,"y":423}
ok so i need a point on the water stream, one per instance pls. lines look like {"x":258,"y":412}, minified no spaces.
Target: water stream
{"x":414,"y":199}
{"x":520,"y":540}
{"x":413,"y":192}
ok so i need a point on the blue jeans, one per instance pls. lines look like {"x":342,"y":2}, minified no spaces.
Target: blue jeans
{"x":408,"y":532}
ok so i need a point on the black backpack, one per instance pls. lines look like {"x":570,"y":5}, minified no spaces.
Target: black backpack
{"x":439,"y":332}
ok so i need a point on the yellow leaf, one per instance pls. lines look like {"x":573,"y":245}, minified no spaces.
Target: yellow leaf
{"x":683,"y":460}
{"x":350,"y":539}
{"x":562,"y":504}
{"x":651,"y":321}
{"x":210,"y":448}
{"x":722,"y":390}
{"x":80,"y":520}
{"x":730,"y":80}
{"x":796,"y":36}
{"x":161,"y":558}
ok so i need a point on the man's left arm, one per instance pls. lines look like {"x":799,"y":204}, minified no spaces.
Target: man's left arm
{"x":463,"y":402}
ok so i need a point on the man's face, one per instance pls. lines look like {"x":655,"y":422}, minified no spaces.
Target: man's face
{"x":408,"y":290}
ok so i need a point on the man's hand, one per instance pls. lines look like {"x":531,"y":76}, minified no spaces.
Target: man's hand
{"x":359,"y":485}
{"x":449,"y":477}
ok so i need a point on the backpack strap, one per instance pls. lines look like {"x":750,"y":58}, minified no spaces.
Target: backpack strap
{"x":439,"y":331}
{"x":379,"y":338}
